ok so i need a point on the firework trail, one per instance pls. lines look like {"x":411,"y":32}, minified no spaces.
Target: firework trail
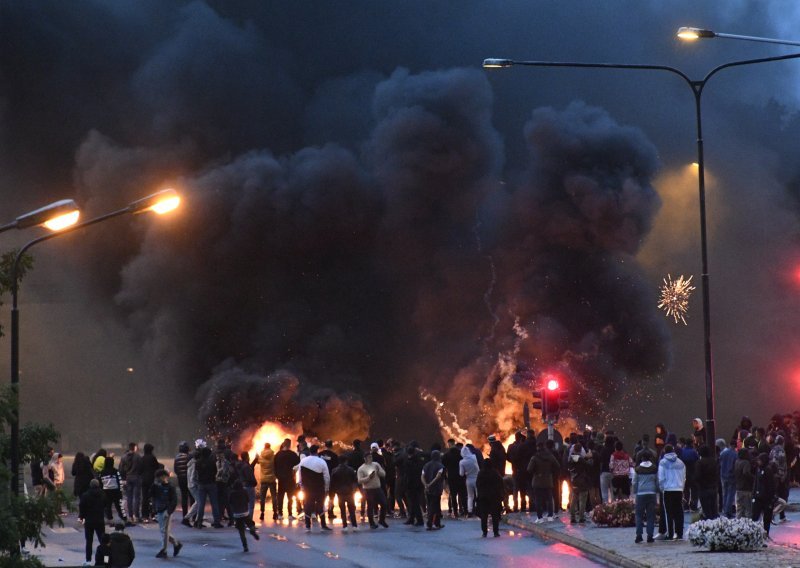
{"x":448,"y":425}
{"x":675,"y":295}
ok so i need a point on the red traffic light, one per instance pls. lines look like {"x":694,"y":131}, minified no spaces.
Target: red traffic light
{"x":552,"y":385}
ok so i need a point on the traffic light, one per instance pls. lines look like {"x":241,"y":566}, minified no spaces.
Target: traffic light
{"x":540,"y":404}
{"x":551,"y":396}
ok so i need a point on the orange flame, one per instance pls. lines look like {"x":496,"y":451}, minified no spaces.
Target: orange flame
{"x":272,"y":432}
{"x":565,"y":495}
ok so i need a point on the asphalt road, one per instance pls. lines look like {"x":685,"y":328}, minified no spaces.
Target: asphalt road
{"x":458,"y":544}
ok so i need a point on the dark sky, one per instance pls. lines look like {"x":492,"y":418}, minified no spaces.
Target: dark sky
{"x":367,"y":212}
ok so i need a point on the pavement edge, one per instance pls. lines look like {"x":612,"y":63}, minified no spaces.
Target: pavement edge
{"x":598,"y":552}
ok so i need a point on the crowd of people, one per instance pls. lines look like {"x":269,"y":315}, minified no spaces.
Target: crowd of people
{"x":747,"y":476}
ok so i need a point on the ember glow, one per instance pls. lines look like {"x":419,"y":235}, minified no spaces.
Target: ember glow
{"x":272,"y":432}
{"x":674,"y":299}
{"x":565,"y":495}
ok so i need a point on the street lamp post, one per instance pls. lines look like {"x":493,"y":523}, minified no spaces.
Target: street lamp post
{"x":161,"y":202}
{"x":56,"y":216}
{"x":697,"y":88}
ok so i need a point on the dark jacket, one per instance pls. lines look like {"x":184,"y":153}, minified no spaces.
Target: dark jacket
{"x":205,"y":467}
{"x":491,"y":491}
{"x":285,"y":460}
{"x":91,"y":508}
{"x":543,"y":468}
{"x":179,"y":466}
{"x":743,"y":471}
{"x":244,"y":471}
{"x":450,"y":460}
{"x":706,"y":474}
{"x":150,"y":466}
{"x":130,"y":465}
{"x":497,"y":455}
{"x":579,"y":474}
{"x":122,"y":553}
{"x":344,"y":480}
{"x":238,"y":501}
{"x":164,"y":497}
{"x":523,"y":455}
{"x":82,"y":473}
{"x":331,"y":459}
{"x":764,"y":485}
{"x":414,"y":465}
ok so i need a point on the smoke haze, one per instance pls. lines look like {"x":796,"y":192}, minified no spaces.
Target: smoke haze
{"x":367,"y":212}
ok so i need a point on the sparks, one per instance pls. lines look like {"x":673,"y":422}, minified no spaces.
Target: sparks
{"x":675,"y":297}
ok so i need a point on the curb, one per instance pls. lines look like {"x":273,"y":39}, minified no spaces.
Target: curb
{"x":606,"y":556}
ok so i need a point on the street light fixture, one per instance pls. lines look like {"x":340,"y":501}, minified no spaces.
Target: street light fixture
{"x":57,"y":216}
{"x":160,"y":202}
{"x":691,"y":34}
{"x":697,"y":87}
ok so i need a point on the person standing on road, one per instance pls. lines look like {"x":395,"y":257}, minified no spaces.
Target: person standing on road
{"x":645,"y":488}
{"x":413,"y":470}
{"x":266,"y":465}
{"x":369,"y":477}
{"x":764,"y":491}
{"x":743,"y":472}
{"x":130,"y":470}
{"x":497,"y":455}
{"x":285,"y":462}
{"x":91,"y":514}
{"x":543,"y":471}
{"x":109,"y":477}
{"x":206,"y":468}
{"x":150,"y":466}
{"x":433,"y":475}
{"x":315,"y":481}
{"x":344,"y":483}
{"x":727,"y":474}
{"x":332,"y":459}
{"x":707,"y":479}
{"x":180,"y":467}
{"x":450,"y":461}
{"x":468,"y":469}
{"x":490,"y":492}
{"x":671,"y":481}
{"x":165,"y":501}
{"x":82,"y":474}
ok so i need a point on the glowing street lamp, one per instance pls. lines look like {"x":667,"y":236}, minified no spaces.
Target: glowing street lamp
{"x":692,"y":34}
{"x":57,"y":216}
{"x":160,"y":203}
{"x":697,"y":87}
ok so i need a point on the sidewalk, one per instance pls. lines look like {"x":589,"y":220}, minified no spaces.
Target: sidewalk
{"x":615,"y":546}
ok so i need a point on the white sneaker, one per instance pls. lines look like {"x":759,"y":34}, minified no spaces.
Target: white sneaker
{"x":550,"y":518}
{"x":345,"y":529}
{"x":355,"y":529}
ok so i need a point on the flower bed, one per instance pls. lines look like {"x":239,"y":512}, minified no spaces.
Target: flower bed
{"x":727,"y":535}
{"x":615,"y":514}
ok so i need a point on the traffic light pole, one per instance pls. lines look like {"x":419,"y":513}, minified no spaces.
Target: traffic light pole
{"x":550,"y":422}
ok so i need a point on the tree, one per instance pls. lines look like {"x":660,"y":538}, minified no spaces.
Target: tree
{"x":22,"y":517}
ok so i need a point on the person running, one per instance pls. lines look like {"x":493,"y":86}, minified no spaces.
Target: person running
{"x":671,"y":481}
{"x":645,"y":488}
{"x":240,"y":509}
{"x":468,"y":469}
{"x":247,"y":476}
{"x":369,"y":477}
{"x":316,"y":482}
{"x":433,"y":475}
{"x":165,"y":501}
{"x":344,"y":484}
{"x":91,"y":513}
{"x":490,"y":491}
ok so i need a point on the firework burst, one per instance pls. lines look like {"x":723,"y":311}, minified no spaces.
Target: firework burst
{"x":675,"y":295}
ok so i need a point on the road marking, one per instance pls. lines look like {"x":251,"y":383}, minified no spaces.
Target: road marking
{"x":63,"y":530}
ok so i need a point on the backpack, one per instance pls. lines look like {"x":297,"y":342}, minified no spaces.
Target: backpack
{"x":224,"y":470}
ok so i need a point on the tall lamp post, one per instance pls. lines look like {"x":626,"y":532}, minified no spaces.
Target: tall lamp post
{"x":56,"y":216}
{"x":697,"y":87}
{"x":161,"y":202}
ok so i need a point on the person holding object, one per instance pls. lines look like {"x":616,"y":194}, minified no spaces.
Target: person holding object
{"x":369,"y":477}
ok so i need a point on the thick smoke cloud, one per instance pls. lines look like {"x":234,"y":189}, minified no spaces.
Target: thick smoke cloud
{"x":366,"y":212}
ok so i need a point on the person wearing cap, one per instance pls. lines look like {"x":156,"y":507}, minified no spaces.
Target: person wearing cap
{"x":165,"y":500}
{"x":332,"y":460}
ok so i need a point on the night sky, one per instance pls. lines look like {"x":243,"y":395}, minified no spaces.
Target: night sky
{"x":368,"y":213}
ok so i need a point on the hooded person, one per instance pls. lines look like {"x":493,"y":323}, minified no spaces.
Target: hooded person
{"x":344,"y":483}
{"x":671,"y":481}
{"x":743,"y":474}
{"x":315,"y":480}
{"x":497,"y":455}
{"x":764,"y":491}
{"x":543,"y":469}
{"x":490,"y":493}
{"x":468,"y":469}
{"x":266,"y":466}
{"x":645,"y":489}
{"x":91,"y":512}
{"x":727,"y":475}
{"x":707,"y":479}
{"x":777,"y":457}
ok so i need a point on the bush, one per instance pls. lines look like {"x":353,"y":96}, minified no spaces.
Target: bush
{"x":727,"y":535}
{"x":615,"y":514}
